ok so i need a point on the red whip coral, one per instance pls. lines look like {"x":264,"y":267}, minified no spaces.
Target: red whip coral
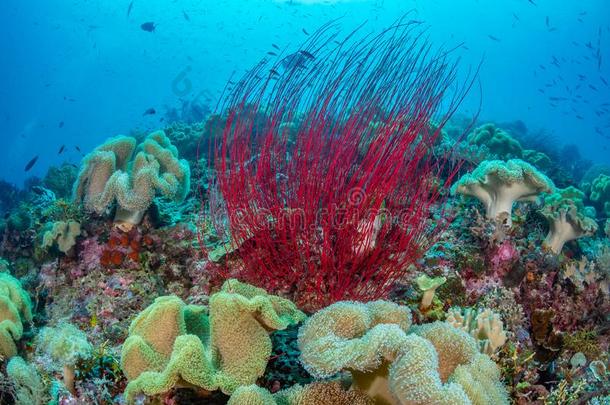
{"x":325,"y":164}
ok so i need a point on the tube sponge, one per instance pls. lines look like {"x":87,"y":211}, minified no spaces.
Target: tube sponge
{"x":15,"y":308}
{"x":498,"y":184}
{"x":568,"y":218}
{"x":110,"y":174}
{"x":171,"y":343}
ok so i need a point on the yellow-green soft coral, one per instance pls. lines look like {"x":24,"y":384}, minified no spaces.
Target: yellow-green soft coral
{"x":66,"y":345}
{"x":498,"y":141}
{"x":393,"y":364}
{"x":171,"y":343}
{"x":29,"y":388}
{"x":317,"y":393}
{"x":61,"y":234}
{"x":15,"y":308}
{"x":600,"y":193}
{"x":109,"y":174}
{"x":498,"y":184}
{"x":568,"y":218}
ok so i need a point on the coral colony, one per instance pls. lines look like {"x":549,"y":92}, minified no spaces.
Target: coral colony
{"x":339,"y":237}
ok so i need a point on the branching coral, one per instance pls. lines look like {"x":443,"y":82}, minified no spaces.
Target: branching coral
{"x":171,"y":343}
{"x":499,"y":184}
{"x":15,"y":309}
{"x":568,"y":218}
{"x":66,"y":345}
{"x":434,"y":363}
{"x":109,"y":174}
{"x":482,"y":324}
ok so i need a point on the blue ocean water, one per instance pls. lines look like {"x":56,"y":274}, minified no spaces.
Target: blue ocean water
{"x":75,"y":72}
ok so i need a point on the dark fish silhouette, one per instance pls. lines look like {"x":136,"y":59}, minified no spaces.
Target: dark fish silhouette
{"x":31,"y":163}
{"x":129,"y":9}
{"x":150,"y":111}
{"x":275,"y":46}
{"x":149,"y":26}
{"x":186,"y":16}
{"x":272,"y":53}
{"x":494,"y":38}
{"x":307,"y":54}
{"x":532,"y":2}
{"x":294,"y":60}
{"x":61,"y":124}
{"x":305,"y":32}
{"x":62,"y":149}
{"x":547,"y":21}
{"x":78,"y":149}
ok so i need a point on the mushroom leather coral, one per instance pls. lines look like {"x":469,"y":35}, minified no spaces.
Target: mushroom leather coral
{"x":15,"y":308}
{"x":171,"y":343}
{"x":568,"y":218}
{"x":498,"y":184}
{"x":430,"y":364}
{"x":109,"y":174}
{"x":318,"y":393}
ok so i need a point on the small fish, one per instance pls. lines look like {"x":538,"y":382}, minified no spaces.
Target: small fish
{"x":149,"y":26}
{"x":580,"y":117}
{"x":516,"y":17}
{"x":305,"y":32}
{"x":31,"y":163}
{"x":61,"y":124}
{"x":272,"y":53}
{"x":150,"y":111}
{"x":73,"y":165}
{"x":494,"y":38}
{"x":129,"y":9}
{"x":62,"y":149}
{"x":532,"y":2}
{"x":603,"y":81}
{"x":307,"y":54}
{"x":592,"y":87}
{"x":275,"y":46}
{"x":77,"y":149}
{"x":547,"y":21}
{"x":186,"y":16}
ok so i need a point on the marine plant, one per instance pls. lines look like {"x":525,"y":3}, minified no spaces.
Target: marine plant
{"x":337,"y":205}
{"x":112,"y":173}
{"x":172,"y":344}
{"x":498,"y":184}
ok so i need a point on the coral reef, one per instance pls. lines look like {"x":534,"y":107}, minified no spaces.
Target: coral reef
{"x":499,"y":184}
{"x":15,"y":310}
{"x":110,"y":174}
{"x":600,"y":193}
{"x":498,"y":141}
{"x":482,"y":324}
{"x":173,"y":343}
{"x":61,"y":234}
{"x":568,"y":218}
